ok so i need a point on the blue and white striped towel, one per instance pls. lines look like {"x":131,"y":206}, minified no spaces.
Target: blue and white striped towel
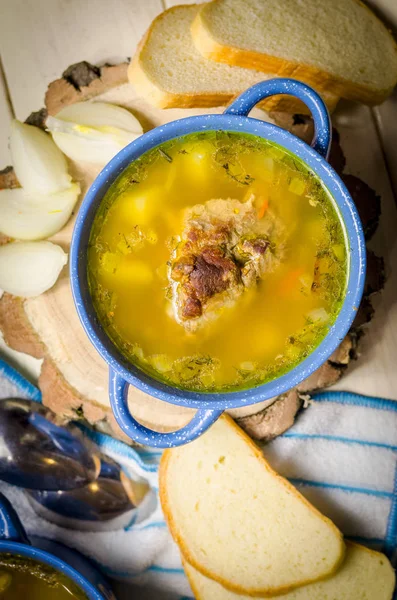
{"x":341,"y":454}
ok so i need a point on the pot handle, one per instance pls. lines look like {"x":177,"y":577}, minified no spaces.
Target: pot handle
{"x":11,"y":528}
{"x":118,"y":393}
{"x":322,"y":123}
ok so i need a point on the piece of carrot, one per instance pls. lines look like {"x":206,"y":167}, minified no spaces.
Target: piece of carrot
{"x":290,"y":281}
{"x":263,"y":208}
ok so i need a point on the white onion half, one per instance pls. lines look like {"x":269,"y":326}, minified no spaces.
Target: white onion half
{"x":38,"y":164}
{"x":93,"y":132}
{"x":30,"y":268}
{"x":34,"y":217}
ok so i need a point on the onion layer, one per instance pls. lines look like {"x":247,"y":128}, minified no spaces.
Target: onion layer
{"x":30,"y":268}
{"x":39,"y":165}
{"x":100,"y":114}
{"x":93,"y":132}
{"x":34,"y":217}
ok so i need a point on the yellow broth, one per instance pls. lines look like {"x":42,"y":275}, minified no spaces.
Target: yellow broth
{"x":25,"y":579}
{"x":273,"y":326}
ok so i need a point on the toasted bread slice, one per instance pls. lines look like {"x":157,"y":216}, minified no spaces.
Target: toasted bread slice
{"x":240,"y":523}
{"x":340,"y":46}
{"x":364,"y":575}
{"x":169,"y":71}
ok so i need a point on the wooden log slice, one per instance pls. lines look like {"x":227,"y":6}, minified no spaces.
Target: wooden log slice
{"x":74,"y":378}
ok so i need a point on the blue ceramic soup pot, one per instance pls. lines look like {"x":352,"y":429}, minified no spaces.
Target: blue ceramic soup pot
{"x":211,"y":405}
{"x":72,"y":564}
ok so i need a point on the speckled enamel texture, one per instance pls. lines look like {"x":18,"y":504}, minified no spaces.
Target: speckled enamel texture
{"x":72,"y":564}
{"x":211,"y":405}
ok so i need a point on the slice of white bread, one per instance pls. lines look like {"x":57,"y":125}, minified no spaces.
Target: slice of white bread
{"x":364,"y":575}
{"x":170,"y":72}
{"x":336,"y":45}
{"x":240,"y":523}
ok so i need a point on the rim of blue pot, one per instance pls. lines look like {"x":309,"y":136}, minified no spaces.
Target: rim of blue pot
{"x":56,"y":563}
{"x":78,"y":261}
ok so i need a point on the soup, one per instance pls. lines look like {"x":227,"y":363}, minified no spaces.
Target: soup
{"x":217,"y":262}
{"x":22,"y":578}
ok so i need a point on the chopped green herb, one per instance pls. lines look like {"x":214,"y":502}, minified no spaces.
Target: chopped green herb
{"x":165,"y":155}
{"x":243,"y":179}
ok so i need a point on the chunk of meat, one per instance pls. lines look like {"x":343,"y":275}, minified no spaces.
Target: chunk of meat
{"x":207,"y":273}
{"x":250,"y":253}
{"x":219,"y":255}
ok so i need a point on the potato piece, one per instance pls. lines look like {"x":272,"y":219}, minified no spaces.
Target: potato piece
{"x":135,"y":271}
{"x":297,"y":186}
{"x":161,"y":362}
{"x":197,"y":161}
{"x":124,"y":270}
{"x":5,"y":581}
{"x":138,"y":207}
{"x":339,"y":251}
{"x":318,"y":315}
{"x":109,"y":262}
{"x":260,"y":167}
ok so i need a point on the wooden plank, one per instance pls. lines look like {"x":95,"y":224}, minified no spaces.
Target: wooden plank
{"x":59,"y":33}
{"x":169,"y":3}
{"x":375,"y":374}
{"x":5,"y":119}
{"x":386,"y":113}
{"x":386,"y":119}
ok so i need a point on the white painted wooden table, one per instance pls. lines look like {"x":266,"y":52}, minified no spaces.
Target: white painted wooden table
{"x":40,"y":38}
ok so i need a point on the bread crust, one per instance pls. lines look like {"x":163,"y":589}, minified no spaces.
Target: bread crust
{"x":183,"y":545}
{"x":198,"y":596}
{"x":191,"y":582}
{"x":147,"y":87}
{"x":214,"y":50}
